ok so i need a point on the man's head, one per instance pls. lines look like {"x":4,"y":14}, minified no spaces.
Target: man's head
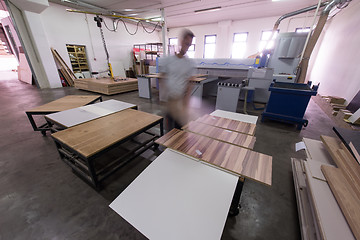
{"x":186,"y":38}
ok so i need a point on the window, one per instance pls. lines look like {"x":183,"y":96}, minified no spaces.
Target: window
{"x":239,"y":45}
{"x":265,"y":35}
{"x":173,"y":45}
{"x":302,"y":30}
{"x":210,"y":43}
{"x":191,"y":50}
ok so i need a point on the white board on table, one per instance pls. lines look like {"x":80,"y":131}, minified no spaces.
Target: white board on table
{"x":176,"y":197}
{"x":235,"y":116}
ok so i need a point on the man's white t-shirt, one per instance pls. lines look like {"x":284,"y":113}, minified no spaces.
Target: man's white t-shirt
{"x":178,"y":71}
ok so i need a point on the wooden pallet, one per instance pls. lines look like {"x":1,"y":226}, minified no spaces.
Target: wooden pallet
{"x":106,"y":86}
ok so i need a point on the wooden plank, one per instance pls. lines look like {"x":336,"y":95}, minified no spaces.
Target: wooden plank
{"x":68,"y":73}
{"x":345,"y":196}
{"x":238,"y":160}
{"x":92,"y":137}
{"x":330,"y":219}
{"x":229,"y":124}
{"x":221,"y":134}
{"x":65,"y":103}
{"x":355,"y":152}
{"x":345,"y":161}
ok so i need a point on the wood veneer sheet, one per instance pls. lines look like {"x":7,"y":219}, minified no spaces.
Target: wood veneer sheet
{"x":345,"y":196}
{"x":226,"y":123}
{"x":239,"y":160}
{"x":221,"y":134}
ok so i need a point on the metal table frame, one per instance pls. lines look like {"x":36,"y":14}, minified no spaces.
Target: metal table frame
{"x":84,"y":167}
{"x":45,"y":127}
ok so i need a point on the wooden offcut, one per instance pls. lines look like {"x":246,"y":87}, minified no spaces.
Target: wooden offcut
{"x":229,"y":124}
{"x":107,"y":86}
{"x":239,"y":160}
{"x":224,"y":135}
{"x":345,"y":196}
{"x":91,"y":137}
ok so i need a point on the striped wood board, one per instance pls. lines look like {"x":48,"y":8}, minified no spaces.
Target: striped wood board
{"x":229,"y":124}
{"x":345,"y":196}
{"x":236,"y":138}
{"x":233,"y":158}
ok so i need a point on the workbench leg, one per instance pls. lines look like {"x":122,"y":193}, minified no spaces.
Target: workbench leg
{"x":162,"y":127}
{"x":91,"y":167}
{"x":245,"y":101}
{"x":235,"y":203}
{"x":31,"y":119}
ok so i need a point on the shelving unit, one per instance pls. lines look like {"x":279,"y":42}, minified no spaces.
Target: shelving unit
{"x":77,"y":54}
{"x":152,"y":50}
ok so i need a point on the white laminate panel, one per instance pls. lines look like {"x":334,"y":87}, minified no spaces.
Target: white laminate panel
{"x":176,"y":197}
{"x":75,"y":116}
{"x":332,"y":222}
{"x":235,"y":116}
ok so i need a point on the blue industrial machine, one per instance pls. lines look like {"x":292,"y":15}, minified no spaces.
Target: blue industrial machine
{"x":288,"y":102}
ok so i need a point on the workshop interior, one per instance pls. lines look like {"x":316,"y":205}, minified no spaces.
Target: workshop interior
{"x":268,"y":143}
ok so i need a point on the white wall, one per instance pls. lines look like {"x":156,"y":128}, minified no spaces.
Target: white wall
{"x":225,"y":33}
{"x":334,"y":62}
{"x":64,"y":28}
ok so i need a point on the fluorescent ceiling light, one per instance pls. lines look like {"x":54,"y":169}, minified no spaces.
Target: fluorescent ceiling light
{"x":208,"y":9}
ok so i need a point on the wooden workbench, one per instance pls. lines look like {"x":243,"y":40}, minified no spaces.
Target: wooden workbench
{"x":190,"y":199}
{"x":61,"y":104}
{"x":83,"y":145}
{"x":106,"y":86}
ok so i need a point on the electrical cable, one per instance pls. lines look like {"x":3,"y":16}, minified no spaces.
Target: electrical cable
{"x":126,"y":28}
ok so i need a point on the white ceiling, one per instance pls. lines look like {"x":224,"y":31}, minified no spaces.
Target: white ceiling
{"x":180,"y":13}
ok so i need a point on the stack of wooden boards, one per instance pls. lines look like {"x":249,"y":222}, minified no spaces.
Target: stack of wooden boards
{"x":64,"y":69}
{"x":339,"y":112}
{"x":328,"y":197}
{"x":223,"y":143}
{"x":107,"y":86}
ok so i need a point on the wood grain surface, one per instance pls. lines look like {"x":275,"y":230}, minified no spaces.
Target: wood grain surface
{"x":239,"y":160}
{"x":99,"y":134}
{"x":344,"y":160}
{"x":226,"y":123}
{"x":345,"y":196}
{"x":221,"y":134}
{"x":65,"y":103}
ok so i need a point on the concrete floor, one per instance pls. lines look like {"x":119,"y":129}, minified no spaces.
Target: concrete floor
{"x":40,"y":198}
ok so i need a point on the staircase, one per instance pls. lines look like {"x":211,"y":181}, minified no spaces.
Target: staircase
{"x":4,"y":45}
